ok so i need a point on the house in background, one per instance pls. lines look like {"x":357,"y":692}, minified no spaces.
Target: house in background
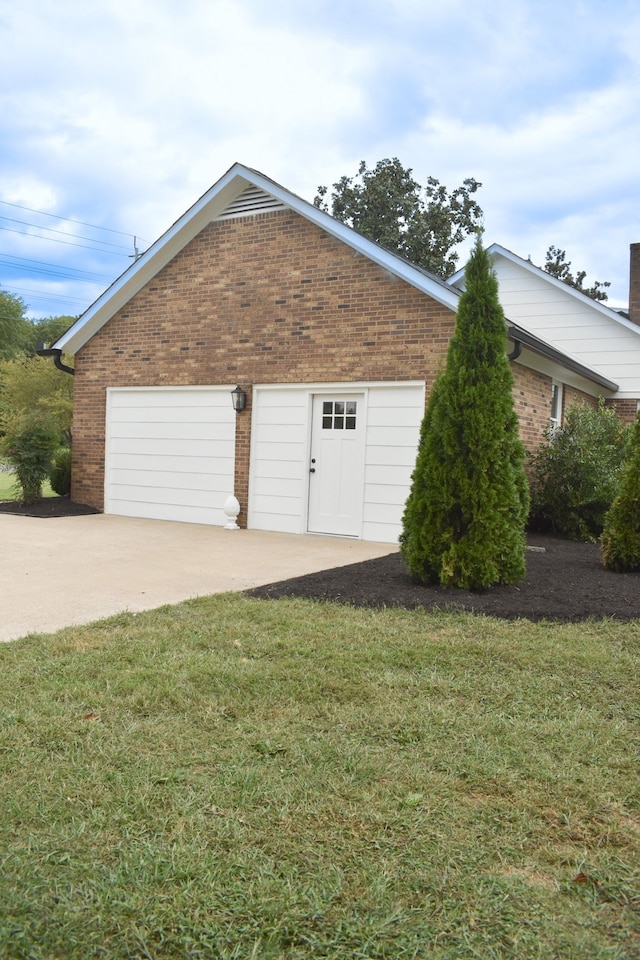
{"x":334,"y":340}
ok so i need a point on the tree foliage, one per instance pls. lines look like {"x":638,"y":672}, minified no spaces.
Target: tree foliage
{"x":388,"y":206}
{"x":49,"y":329}
{"x":558,"y":266}
{"x":34,"y":384}
{"x":29,"y":443}
{"x":60,"y":472}
{"x":464,"y":519}
{"x":15,"y":330}
{"x":621,"y":533}
{"x":575,"y":472}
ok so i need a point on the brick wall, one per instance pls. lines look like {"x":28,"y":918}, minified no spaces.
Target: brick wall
{"x":532,"y":401}
{"x":626,"y":409}
{"x":265,"y":299}
{"x":571,"y":396}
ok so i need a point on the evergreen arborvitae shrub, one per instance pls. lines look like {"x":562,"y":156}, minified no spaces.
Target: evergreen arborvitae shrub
{"x":60,"y":472}
{"x":576,"y":471}
{"x":464,"y":521}
{"x":621,"y":534}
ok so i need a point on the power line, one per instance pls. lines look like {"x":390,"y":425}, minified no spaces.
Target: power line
{"x":37,"y":226}
{"x":84,"y":246}
{"x":38,"y":295}
{"x":18,"y":266}
{"x":68,"y":274}
{"x":55,"y":216}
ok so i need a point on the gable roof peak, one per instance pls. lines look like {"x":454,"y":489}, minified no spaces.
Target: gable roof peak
{"x":241,"y":191}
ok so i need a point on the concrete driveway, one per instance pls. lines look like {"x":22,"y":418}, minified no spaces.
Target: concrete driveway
{"x":56,"y":572}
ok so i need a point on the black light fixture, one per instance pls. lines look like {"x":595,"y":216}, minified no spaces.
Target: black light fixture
{"x":238,"y":399}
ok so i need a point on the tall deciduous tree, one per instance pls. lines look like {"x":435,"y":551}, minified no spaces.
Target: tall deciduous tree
{"x":558,"y":266}
{"x":422,"y":224}
{"x":464,"y":519}
{"x":15,"y":329}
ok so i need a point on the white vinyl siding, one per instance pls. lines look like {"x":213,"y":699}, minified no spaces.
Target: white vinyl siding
{"x":170,"y":453}
{"x":582,"y":329}
{"x":279,"y":477}
{"x":279,"y":453}
{"x":394,"y":415}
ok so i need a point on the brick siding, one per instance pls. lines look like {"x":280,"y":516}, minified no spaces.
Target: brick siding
{"x":626,"y":409}
{"x":571,"y":396}
{"x":532,"y":401}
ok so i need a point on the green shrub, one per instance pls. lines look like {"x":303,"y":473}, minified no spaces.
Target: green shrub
{"x":621,"y":534}
{"x":60,"y":472}
{"x":29,"y":443}
{"x":464,"y":520}
{"x":576,"y":471}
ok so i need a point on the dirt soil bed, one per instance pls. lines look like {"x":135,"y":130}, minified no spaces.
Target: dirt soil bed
{"x":565,"y":581}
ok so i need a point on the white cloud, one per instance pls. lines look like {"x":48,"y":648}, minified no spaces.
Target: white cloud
{"x":123,"y":113}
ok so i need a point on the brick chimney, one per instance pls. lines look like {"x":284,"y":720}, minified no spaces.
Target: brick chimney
{"x":634,"y":283}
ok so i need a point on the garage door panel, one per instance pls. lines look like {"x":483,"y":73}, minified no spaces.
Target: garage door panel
{"x":169,"y":496}
{"x":150,"y":414}
{"x":170,"y":453}
{"x":173,"y":512}
{"x":206,"y":465}
{"x":172,"y":447}
{"x":169,"y":397}
{"x":169,"y":479}
{"x":164,"y":430}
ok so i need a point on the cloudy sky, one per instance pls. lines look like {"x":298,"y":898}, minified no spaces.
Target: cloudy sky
{"x":116,"y":116}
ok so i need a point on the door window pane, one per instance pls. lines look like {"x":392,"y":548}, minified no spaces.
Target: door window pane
{"x":339,"y":414}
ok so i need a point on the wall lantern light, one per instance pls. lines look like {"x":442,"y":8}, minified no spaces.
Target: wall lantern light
{"x":238,"y":399}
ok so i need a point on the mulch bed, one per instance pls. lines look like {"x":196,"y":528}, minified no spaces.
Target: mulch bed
{"x":565,"y":581}
{"x":46,"y":507}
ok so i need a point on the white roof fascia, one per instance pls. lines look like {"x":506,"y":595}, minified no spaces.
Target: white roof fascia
{"x":208,"y":208}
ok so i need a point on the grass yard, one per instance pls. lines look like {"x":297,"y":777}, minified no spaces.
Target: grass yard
{"x":8,"y":487}
{"x":233,"y":778}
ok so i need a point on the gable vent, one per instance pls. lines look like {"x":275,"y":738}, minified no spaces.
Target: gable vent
{"x":252,"y":200}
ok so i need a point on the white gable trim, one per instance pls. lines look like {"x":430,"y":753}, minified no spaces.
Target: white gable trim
{"x":210,"y":207}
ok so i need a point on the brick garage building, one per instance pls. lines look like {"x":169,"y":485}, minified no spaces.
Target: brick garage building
{"x":334,"y":340}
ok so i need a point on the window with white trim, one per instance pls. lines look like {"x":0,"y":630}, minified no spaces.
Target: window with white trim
{"x":555,"y":418}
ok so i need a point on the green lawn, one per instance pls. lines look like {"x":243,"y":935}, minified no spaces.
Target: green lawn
{"x":8,"y":487}
{"x":233,"y":778}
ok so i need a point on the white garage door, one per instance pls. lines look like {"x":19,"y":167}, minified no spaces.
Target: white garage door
{"x":169,"y":453}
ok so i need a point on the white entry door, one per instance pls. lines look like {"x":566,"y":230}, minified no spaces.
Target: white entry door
{"x":336,"y":468}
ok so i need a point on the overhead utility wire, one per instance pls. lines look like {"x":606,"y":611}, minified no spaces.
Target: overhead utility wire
{"x":60,"y":275}
{"x":110,"y":253}
{"x":37,"y":226}
{"x":88,"y":277}
{"x":33,"y":295}
{"x":55,"y":216}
